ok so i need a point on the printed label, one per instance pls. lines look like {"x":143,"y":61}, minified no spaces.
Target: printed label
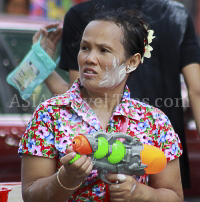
{"x":25,"y":75}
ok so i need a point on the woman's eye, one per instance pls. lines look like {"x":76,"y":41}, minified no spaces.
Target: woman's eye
{"x":84,"y":48}
{"x":103,"y":50}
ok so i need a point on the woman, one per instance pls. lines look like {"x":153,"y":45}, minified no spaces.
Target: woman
{"x":112,"y":46}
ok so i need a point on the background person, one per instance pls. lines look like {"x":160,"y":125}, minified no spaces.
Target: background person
{"x":105,"y":50}
{"x":17,"y":7}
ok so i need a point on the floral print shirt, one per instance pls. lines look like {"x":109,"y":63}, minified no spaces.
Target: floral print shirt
{"x":58,"y":120}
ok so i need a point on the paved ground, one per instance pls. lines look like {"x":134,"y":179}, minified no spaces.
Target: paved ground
{"x":15,"y":194}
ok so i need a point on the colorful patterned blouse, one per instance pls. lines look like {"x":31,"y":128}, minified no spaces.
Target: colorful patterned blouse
{"x":58,"y":120}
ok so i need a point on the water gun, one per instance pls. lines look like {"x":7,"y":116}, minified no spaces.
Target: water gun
{"x":109,"y":154}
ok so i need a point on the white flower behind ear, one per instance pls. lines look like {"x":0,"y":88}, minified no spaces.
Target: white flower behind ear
{"x":150,"y":36}
{"x":148,"y":48}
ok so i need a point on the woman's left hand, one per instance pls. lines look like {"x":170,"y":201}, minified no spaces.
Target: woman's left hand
{"x":123,"y":189}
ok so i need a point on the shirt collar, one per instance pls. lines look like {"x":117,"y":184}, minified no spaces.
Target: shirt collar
{"x":72,"y":97}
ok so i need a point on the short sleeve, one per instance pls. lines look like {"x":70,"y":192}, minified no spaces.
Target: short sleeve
{"x":189,"y":50}
{"x":166,"y":138}
{"x":38,"y":138}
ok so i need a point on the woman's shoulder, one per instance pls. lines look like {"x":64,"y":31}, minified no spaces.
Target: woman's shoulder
{"x":145,"y":108}
{"x":59,"y":100}
{"x":139,"y":104}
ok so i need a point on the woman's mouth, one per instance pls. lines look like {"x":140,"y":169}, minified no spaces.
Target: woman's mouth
{"x":89,"y":72}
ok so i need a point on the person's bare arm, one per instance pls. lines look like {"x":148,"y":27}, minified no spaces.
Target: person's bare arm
{"x":167,"y":184}
{"x":39,"y":177}
{"x":191,"y":75}
{"x":56,"y":84}
{"x":163,"y":187}
{"x":73,"y":75}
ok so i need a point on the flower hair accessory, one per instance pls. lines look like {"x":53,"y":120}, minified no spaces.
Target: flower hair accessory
{"x":148,"y":48}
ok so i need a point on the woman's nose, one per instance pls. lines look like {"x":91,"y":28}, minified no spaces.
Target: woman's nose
{"x":91,"y":57}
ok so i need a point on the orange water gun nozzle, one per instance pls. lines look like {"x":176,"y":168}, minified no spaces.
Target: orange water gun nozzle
{"x":154,"y":158}
{"x":81,"y":145}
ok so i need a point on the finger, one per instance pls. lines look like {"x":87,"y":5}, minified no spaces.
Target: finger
{"x":44,"y":35}
{"x":123,"y":190}
{"x":53,"y":25}
{"x":117,"y":193}
{"x":78,"y":163}
{"x":69,"y":150}
{"x":117,"y":200}
{"x":116,"y":187}
{"x":87,"y":171}
{"x":44,"y":32}
{"x":56,"y":36}
{"x":65,"y":159}
{"x":37,"y":35}
{"x":116,"y":177}
{"x":82,"y":169}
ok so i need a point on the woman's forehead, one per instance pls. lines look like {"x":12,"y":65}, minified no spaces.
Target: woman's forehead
{"x":106,"y":30}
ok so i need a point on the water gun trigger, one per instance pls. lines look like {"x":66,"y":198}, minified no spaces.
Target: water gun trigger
{"x":102,"y":174}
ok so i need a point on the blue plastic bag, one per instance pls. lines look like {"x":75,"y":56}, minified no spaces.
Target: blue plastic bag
{"x":32,"y":71}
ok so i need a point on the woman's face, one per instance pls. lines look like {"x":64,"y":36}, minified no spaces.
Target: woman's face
{"x":101,"y":57}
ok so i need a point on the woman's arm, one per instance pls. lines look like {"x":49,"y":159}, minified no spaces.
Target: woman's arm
{"x":163,"y":187}
{"x":191,"y":74}
{"x":56,"y":84}
{"x":39,"y":177}
{"x":167,"y":184}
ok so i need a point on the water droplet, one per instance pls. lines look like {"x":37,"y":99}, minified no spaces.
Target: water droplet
{"x":13,"y":42}
{"x":2,"y":133}
{"x":10,"y":141}
{"x":14,"y":131}
{"x":6,"y":62}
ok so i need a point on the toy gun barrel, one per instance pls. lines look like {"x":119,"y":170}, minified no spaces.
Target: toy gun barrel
{"x":152,"y":157}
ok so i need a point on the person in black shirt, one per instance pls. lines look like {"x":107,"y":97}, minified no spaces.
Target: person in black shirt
{"x":157,"y":80}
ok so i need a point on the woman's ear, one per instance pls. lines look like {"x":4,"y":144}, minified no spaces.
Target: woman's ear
{"x":133,"y":63}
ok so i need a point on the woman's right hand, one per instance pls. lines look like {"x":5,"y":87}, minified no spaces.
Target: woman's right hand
{"x":75,"y":173}
{"x":49,"y":39}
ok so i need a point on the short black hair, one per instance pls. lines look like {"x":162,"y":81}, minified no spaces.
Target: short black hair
{"x":133,"y":25}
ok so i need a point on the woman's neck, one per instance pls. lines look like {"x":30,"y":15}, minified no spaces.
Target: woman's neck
{"x":106,"y":101}
{"x":103,"y":104}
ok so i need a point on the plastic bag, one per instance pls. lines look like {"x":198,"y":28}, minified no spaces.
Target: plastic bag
{"x":32,"y":71}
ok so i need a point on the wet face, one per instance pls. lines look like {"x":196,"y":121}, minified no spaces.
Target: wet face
{"x":101,"y":57}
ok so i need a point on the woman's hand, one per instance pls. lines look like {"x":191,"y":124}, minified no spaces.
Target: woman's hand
{"x":49,"y":39}
{"x":123,"y":189}
{"x":75,"y":173}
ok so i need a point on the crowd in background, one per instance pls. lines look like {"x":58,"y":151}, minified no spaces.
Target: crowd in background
{"x":56,"y":9}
